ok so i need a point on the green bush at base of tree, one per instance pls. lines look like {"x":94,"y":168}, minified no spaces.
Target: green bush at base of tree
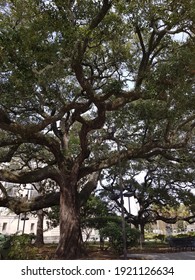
{"x":114,"y":233}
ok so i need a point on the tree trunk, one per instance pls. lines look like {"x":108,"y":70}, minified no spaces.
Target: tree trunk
{"x":69,"y":246}
{"x":39,"y":241}
{"x":142,"y":235}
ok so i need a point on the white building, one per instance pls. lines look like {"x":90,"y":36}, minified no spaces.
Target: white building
{"x":11,"y":224}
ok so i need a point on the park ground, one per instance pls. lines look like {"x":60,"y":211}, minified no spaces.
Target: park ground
{"x":148,"y":252}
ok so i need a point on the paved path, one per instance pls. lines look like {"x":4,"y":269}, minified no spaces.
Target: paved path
{"x":164,"y":256}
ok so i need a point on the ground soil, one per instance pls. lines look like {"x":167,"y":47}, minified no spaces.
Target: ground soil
{"x":95,"y":253}
{"x":47,"y":252}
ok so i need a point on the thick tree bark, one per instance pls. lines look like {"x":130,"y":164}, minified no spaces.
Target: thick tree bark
{"x":70,"y":243}
{"x":39,"y":241}
{"x":142,"y":235}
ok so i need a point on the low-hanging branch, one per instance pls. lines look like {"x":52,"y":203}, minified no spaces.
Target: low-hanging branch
{"x":20,"y":205}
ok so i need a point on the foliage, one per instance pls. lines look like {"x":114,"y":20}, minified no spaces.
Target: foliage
{"x":162,"y":190}
{"x":53,"y":216}
{"x":3,"y":238}
{"x":5,"y":244}
{"x":113,"y":231}
{"x":191,"y":233}
{"x":96,"y":213}
{"x":160,"y":237}
{"x":22,"y":248}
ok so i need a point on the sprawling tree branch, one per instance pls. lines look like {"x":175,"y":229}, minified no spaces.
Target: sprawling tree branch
{"x":20,"y":205}
{"x":36,"y":175}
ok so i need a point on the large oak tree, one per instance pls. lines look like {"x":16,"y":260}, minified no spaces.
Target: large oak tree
{"x":69,"y":70}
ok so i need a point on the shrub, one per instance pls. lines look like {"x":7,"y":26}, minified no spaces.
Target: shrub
{"x":192,"y":233}
{"x":5,"y":244}
{"x":113,"y":231}
{"x":22,"y":248}
{"x":187,"y":234}
{"x":160,"y":237}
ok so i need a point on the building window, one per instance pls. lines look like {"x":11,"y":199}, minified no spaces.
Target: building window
{"x":4,"y":227}
{"x":32,"y":227}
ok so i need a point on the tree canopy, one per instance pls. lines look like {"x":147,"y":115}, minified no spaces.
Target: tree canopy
{"x":157,"y":186}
